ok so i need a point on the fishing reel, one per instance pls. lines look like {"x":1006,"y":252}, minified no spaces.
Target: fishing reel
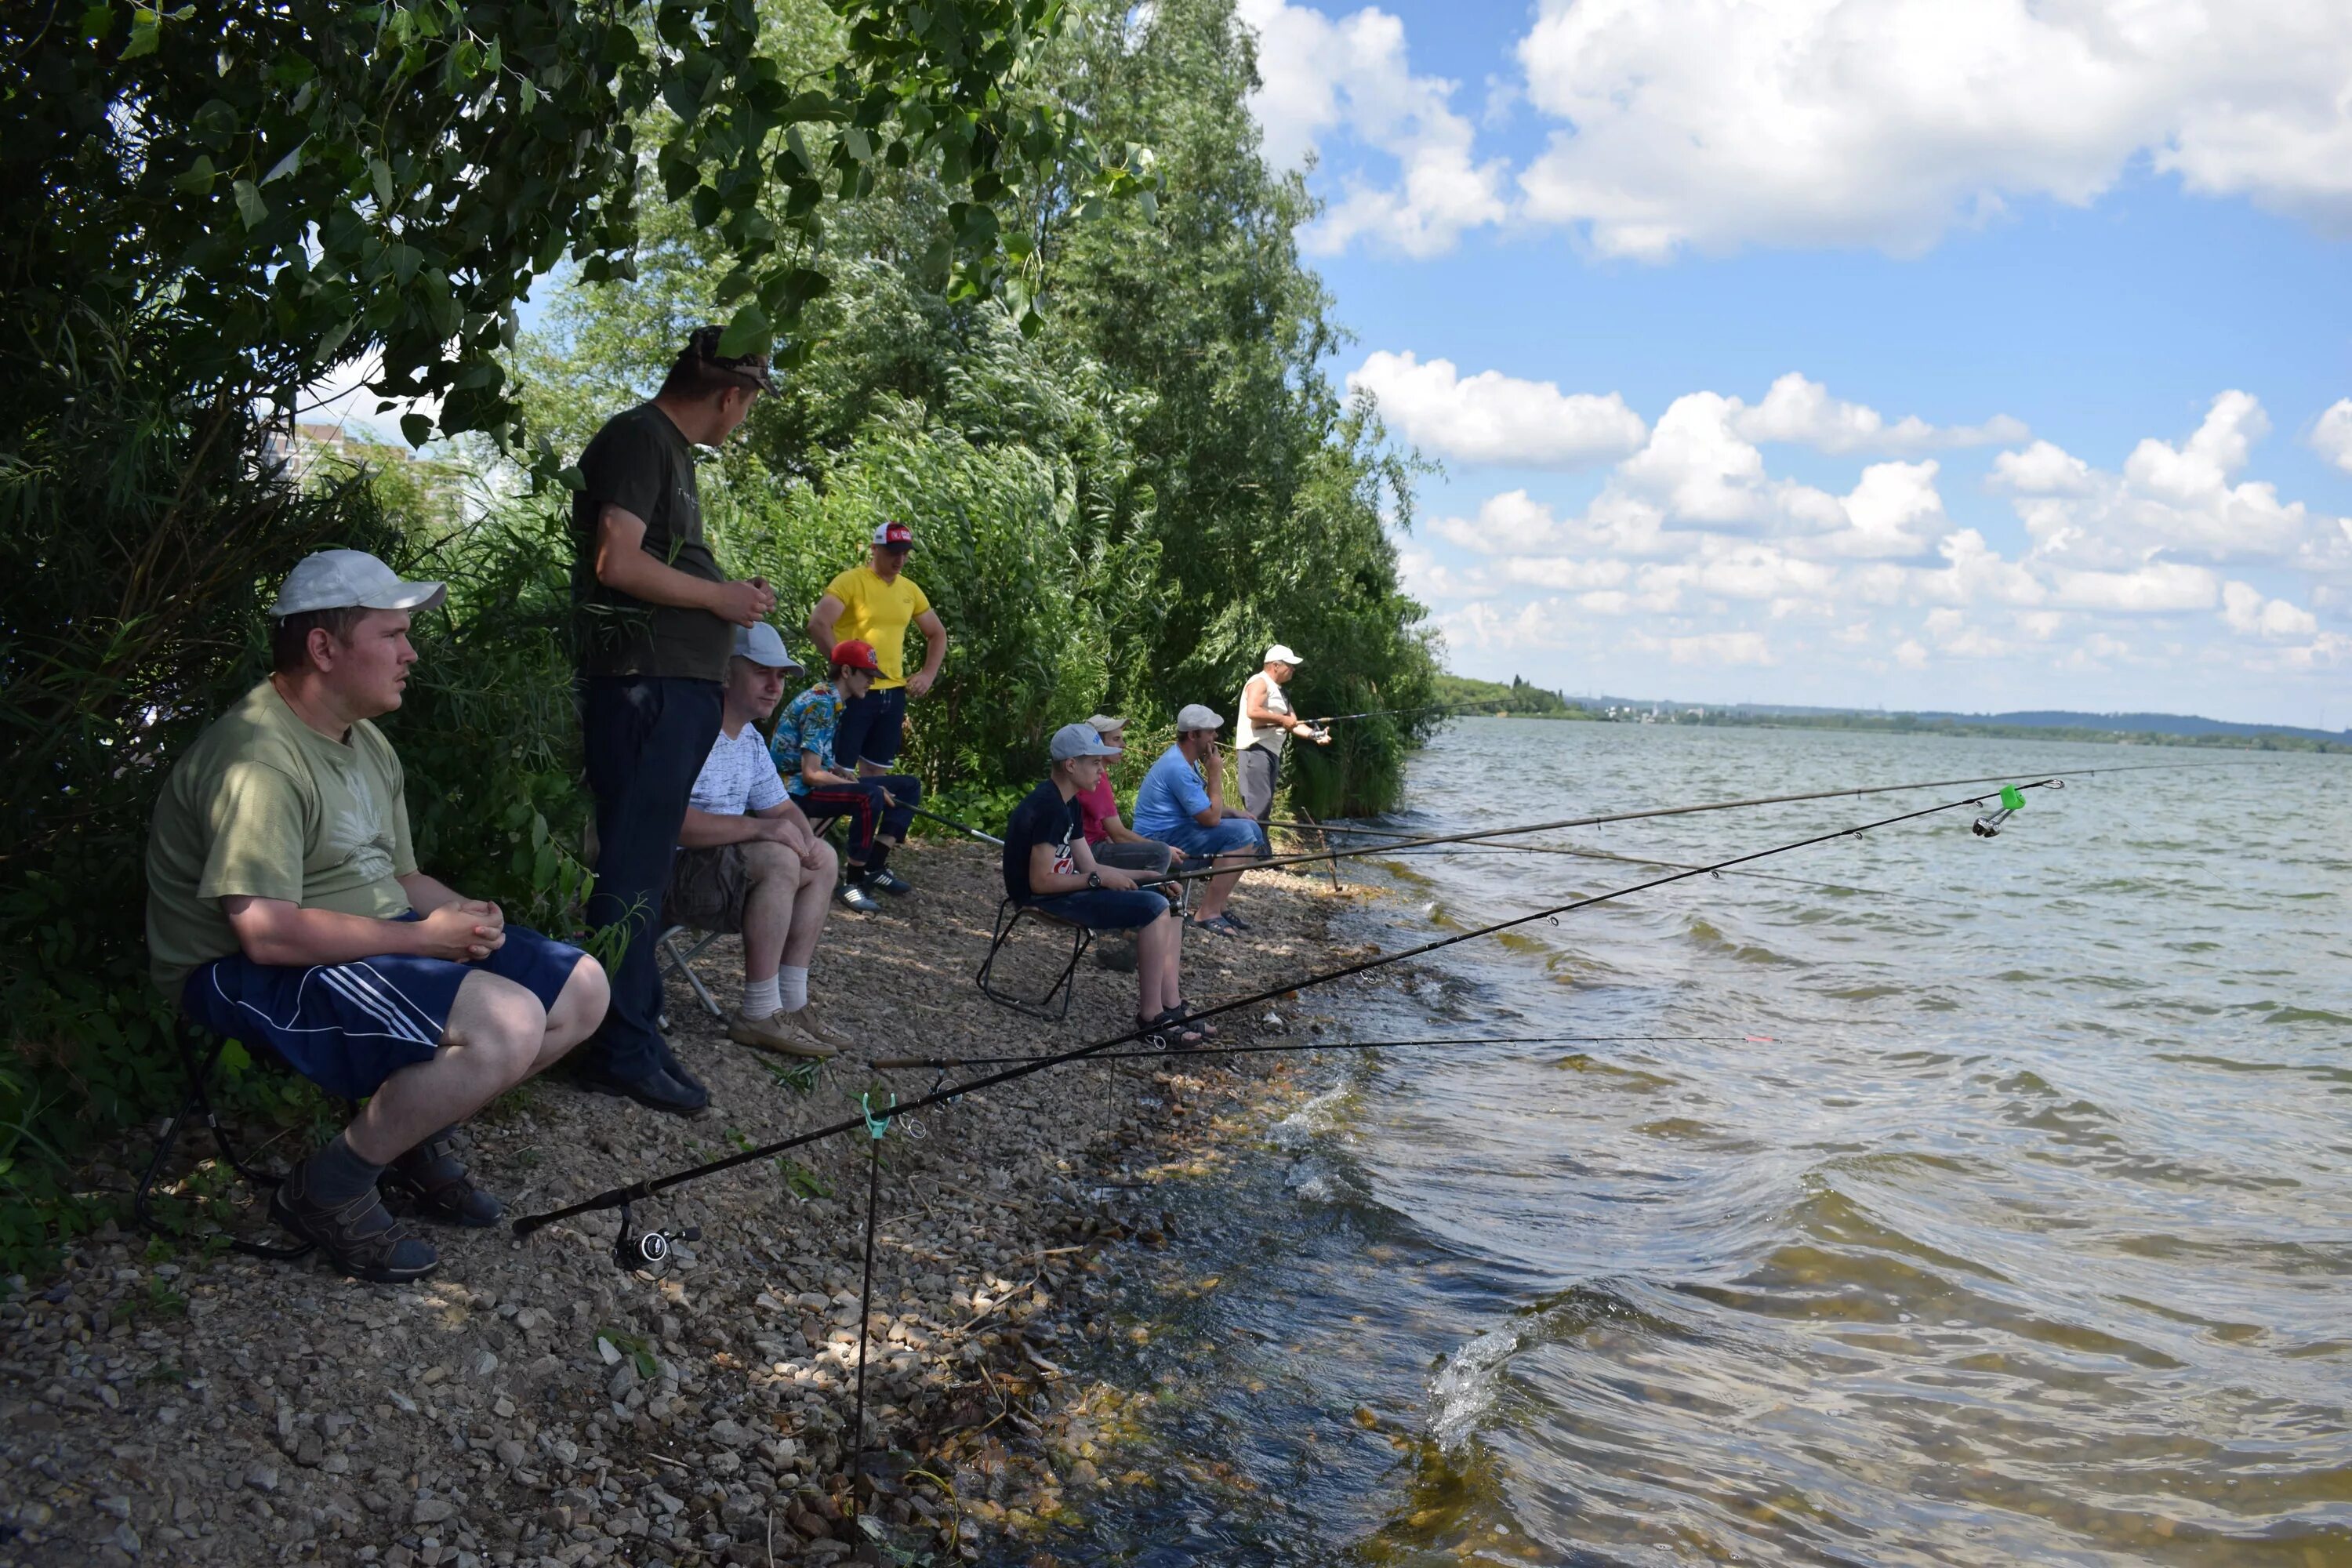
{"x":633,"y":1249}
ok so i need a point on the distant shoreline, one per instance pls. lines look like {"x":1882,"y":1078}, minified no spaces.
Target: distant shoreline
{"x":1898,"y":724}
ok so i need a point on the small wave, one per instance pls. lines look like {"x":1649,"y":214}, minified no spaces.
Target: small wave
{"x":1463,"y":1391}
{"x":1317,"y":1117}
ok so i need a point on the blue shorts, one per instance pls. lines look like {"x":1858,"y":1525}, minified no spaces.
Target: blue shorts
{"x":349,"y":1027}
{"x":1231,"y":837}
{"x":870,"y":729}
{"x":1103,"y":909}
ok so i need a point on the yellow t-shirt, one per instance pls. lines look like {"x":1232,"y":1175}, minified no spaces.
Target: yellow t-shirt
{"x":879,"y":613}
{"x":265,"y":806}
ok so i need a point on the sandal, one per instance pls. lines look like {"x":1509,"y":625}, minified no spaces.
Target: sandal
{"x":362,"y":1238}
{"x":1181,"y":1013}
{"x":1164,"y":1033}
{"x":438,"y":1187}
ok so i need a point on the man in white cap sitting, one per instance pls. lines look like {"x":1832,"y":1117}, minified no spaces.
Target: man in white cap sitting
{"x":1267,"y":725}
{"x":1047,"y":865}
{"x":1181,"y":804}
{"x":749,"y":860}
{"x":285,"y":910}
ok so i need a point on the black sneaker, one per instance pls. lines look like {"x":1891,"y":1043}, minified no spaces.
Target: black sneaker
{"x":437,"y":1186}
{"x":655,"y":1090}
{"x":889,"y":881}
{"x":1233,"y":919}
{"x":360,"y":1237}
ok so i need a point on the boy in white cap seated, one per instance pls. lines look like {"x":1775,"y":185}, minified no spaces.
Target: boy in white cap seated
{"x":1181,"y":803}
{"x":285,"y":910}
{"x":1048,"y":866}
{"x":748,"y":860}
{"x":1265,"y":726}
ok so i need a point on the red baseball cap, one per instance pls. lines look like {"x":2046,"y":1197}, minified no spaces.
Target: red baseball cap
{"x":856,"y":655}
{"x":894,"y":536}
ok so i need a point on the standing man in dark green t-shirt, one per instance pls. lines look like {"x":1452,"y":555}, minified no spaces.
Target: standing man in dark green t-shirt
{"x":657,"y":626}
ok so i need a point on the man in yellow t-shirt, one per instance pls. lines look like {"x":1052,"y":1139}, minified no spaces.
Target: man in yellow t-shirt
{"x":875,"y":603}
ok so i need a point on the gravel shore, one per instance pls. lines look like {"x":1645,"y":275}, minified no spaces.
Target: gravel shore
{"x":535,"y":1404}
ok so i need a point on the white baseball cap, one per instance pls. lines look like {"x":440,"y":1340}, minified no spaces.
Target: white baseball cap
{"x":1192,"y":716}
{"x":351,"y":580}
{"x":1079,"y":740}
{"x":1280,"y":654}
{"x":760,"y":643}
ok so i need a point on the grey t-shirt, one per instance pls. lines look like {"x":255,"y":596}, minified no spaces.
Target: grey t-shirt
{"x":641,"y":463}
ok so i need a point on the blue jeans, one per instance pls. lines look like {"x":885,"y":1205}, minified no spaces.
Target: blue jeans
{"x":645,"y":737}
{"x":1103,"y":909}
{"x":870,"y":729}
{"x":1230,"y":837}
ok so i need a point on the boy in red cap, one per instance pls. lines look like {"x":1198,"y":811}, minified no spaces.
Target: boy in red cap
{"x":880,"y":807}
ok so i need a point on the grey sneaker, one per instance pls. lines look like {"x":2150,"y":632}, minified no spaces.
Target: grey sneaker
{"x":362,"y":1238}
{"x":851,"y":896}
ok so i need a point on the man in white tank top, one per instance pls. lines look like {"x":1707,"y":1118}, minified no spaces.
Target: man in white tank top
{"x":1266,"y":727}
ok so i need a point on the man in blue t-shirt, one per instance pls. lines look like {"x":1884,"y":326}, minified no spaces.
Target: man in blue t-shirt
{"x":1179,"y":805}
{"x":1048,"y":866}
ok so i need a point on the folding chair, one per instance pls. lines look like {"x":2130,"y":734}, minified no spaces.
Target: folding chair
{"x":1009,"y":914}
{"x":197,"y":1063}
{"x":675,"y":955}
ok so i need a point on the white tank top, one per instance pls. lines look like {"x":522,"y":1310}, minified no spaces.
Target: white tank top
{"x":1273,"y":737}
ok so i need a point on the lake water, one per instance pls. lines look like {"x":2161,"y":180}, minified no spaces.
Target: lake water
{"x":1999,"y":1208}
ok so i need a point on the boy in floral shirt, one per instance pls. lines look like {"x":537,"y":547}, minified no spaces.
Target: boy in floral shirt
{"x":880,"y":807}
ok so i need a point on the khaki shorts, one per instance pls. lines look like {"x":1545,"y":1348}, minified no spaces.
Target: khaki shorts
{"x":707,"y":889}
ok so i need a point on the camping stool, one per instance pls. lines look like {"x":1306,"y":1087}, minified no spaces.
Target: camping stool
{"x":676,"y":954}
{"x":1009,"y":913}
{"x":197,"y":1062}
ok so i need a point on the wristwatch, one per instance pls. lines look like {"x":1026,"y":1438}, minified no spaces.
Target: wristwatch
{"x":1094,"y":879}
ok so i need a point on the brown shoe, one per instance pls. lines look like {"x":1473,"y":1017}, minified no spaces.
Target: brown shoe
{"x":776,"y":1033}
{"x":813,"y":1024}
{"x":360,"y":1237}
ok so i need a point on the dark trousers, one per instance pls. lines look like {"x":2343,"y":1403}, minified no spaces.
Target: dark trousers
{"x":646,"y":738}
{"x":862,"y":803}
{"x":1261,"y":774}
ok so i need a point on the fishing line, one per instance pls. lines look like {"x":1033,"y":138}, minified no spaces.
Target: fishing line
{"x":646,"y":1187}
{"x":888,"y":1063}
{"x":1280,"y":861}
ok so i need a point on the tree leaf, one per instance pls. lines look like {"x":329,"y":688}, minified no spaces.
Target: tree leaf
{"x":285,"y":165}
{"x":417,"y":427}
{"x":249,"y":204}
{"x":748,"y":332}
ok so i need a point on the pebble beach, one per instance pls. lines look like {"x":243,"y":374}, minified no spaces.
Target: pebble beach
{"x":533,"y":1404}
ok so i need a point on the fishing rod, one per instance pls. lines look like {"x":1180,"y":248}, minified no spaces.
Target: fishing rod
{"x":1280,"y":861}
{"x":2009,"y":796}
{"x":1583,"y":854}
{"x":892,"y":1063}
{"x":962,"y":827}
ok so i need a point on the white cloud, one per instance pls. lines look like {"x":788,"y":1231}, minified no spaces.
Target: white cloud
{"x":2246,"y":610}
{"x":1318,"y":76}
{"x":1801,"y":411}
{"x":1885,"y":122}
{"x":2042,"y":470}
{"x":2154,"y":588}
{"x":2332,"y":436}
{"x":2178,"y":499}
{"x":1720,"y":648}
{"x":1491,"y":418}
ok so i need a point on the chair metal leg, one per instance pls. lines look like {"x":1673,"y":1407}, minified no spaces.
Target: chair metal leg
{"x":667,"y":944}
{"x":1008,"y":919}
{"x":197,"y":1102}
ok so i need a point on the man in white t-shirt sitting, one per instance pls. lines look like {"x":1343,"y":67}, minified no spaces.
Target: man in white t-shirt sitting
{"x":748,"y":859}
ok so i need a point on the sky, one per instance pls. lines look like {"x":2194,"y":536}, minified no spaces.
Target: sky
{"x":1859,"y":353}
